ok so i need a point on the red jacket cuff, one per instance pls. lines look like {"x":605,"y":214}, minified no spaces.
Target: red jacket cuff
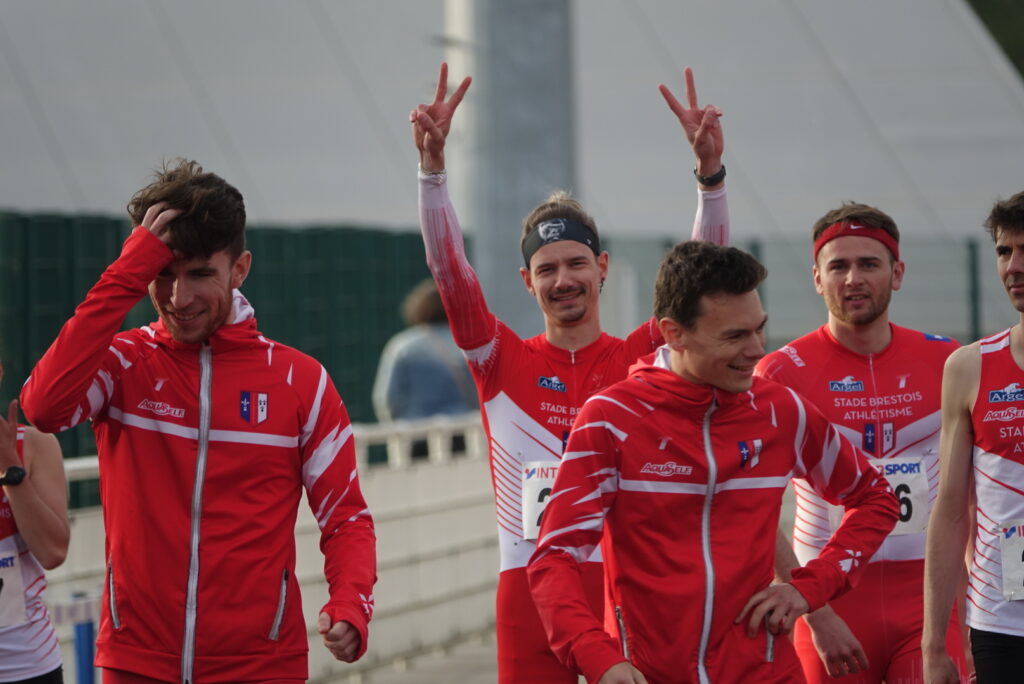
{"x":819,"y":582}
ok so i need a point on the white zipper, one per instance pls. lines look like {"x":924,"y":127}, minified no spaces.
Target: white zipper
{"x":188,"y":651}
{"x":705,"y":542}
{"x":115,"y":619}
{"x":622,"y":632}
{"x":275,"y":628}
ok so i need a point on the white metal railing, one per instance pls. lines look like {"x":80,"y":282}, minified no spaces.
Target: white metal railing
{"x":398,"y":437}
{"x":436,"y":547}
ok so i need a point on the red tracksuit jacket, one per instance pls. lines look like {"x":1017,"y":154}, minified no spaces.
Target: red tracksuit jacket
{"x":204,"y":452}
{"x":682,"y":485}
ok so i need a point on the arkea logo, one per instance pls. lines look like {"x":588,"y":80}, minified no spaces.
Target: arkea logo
{"x":1011,"y":392}
{"x":254,"y":415}
{"x":551,"y":383}
{"x":666,"y":469}
{"x":1005,"y":415}
{"x":750,"y":453}
{"x":847,"y":384}
{"x":161,"y":408}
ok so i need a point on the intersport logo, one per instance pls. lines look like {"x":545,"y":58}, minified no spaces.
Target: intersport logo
{"x":161,"y":408}
{"x":666,"y":469}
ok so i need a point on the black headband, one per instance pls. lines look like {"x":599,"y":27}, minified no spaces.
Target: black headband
{"x":556,"y":230}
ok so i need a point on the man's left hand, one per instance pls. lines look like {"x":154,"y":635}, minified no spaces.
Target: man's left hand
{"x":777,"y":606}
{"x":341,"y":638}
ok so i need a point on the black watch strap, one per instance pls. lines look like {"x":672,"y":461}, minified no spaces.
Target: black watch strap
{"x":13,"y":476}
{"x":714,"y":179}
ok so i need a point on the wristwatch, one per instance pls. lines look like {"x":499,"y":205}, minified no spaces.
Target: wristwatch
{"x":13,"y":476}
{"x":714,"y":179}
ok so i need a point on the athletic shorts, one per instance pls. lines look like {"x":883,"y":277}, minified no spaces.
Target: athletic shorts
{"x":524,"y":656}
{"x":885,"y":611}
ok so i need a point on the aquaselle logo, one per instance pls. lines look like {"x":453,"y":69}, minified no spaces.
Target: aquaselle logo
{"x":1005,"y":415}
{"x":161,"y":408}
{"x":551,"y":383}
{"x":1012,"y":392}
{"x":666,"y":469}
{"x":847,"y":384}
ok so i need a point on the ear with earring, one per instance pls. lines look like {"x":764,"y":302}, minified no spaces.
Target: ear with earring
{"x":600,"y":288}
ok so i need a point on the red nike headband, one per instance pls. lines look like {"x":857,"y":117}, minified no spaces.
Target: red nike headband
{"x":844,"y":228}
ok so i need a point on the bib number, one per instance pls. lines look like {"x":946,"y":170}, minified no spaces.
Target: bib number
{"x":909,"y":482}
{"x":12,"y":591}
{"x":538,"y":477}
{"x":1011,"y":547}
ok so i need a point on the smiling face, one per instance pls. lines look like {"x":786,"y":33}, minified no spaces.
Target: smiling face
{"x":723,"y":345}
{"x":857,"y":276}
{"x":1010,"y":264}
{"x":193,"y":296}
{"x":565,"y":278}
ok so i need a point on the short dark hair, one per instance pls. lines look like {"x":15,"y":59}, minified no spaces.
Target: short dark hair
{"x":1006,"y":215}
{"x":695,"y":269}
{"x":857,"y":213}
{"x":213,"y":211}
{"x":423,"y":304}
{"x":559,"y":204}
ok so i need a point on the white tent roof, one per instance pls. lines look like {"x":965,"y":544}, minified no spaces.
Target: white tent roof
{"x":303,"y":105}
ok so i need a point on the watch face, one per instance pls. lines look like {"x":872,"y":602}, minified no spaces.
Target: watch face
{"x":13,"y":475}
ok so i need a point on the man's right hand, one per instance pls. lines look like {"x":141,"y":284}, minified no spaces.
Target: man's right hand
{"x":838,"y":648}
{"x":701,"y":125}
{"x":158,"y":220}
{"x":431,"y":122}
{"x":622,"y":673}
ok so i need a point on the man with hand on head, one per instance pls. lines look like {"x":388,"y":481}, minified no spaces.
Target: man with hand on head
{"x":678,"y":473}
{"x":530,"y":390}
{"x":34,"y":536}
{"x":981,"y":486}
{"x":207,"y":433}
{"x":880,"y":385}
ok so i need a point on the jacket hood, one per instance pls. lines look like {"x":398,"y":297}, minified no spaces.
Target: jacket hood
{"x":240,"y":332}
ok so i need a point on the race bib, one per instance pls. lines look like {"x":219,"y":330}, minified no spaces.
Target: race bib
{"x":910,"y":485}
{"x":538,"y":478}
{"x":1011,"y":548}
{"x":12,"y":591}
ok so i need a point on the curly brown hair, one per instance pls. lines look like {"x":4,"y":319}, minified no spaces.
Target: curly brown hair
{"x":212,"y":210}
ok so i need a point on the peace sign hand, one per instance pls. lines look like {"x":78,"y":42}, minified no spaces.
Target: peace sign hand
{"x":701,"y":125}
{"x":431,"y":122}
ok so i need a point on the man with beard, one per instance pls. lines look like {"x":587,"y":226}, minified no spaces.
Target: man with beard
{"x":983,"y":440}
{"x":207,"y":433}
{"x":530,"y":390}
{"x":880,"y":386}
